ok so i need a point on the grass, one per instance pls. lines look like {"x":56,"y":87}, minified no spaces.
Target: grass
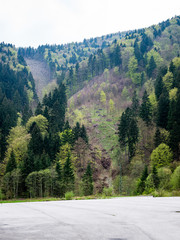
{"x":99,"y":196}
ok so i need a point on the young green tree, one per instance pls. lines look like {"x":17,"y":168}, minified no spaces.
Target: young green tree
{"x":88,"y":181}
{"x":111,"y":106}
{"x":161,"y":156}
{"x":141,"y":184}
{"x":103,"y":98}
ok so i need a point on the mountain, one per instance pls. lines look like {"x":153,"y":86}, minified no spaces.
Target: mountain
{"x":119,"y":126}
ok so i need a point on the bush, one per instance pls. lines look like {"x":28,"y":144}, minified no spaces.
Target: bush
{"x":69,"y":195}
{"x":175,"y":179}
{"x":164,"y":175}
{"x":108,"y":192}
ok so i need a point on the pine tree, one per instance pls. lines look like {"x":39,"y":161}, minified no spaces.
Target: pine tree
{"x":128,"y":132}
{"x":68,"y":174}
{"x":88,"y":181}
{"x":39,"y":109}
{"x":135,"y":104}
{"x":11,"y":165}
{"x":163,"y":109}
{"x":157,"y":138}
{"x":141,"y":184}
{"x":155,"y":176}
{"x":83,"y":134}
{"x":36,"y":142}
{"x":151,"y":67}
{"x":146,"y":109}
{"x":59,"y":170}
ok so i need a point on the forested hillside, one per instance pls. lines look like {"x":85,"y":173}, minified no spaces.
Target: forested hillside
{"x":107,"y":118}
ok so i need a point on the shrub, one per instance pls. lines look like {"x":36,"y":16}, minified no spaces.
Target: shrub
{"x":164,"y":175}
{"x":69,"y":195}
{"x":108,"y":192}
{"x":175,"y":179}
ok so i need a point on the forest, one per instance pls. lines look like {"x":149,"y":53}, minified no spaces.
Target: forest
{"x":106,"y":124}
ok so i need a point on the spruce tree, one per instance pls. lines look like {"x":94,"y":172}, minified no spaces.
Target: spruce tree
{"x":157,"y":138}
{"x":11,"y":165}
{"x":146,"y":109}
{"x":135,"y":104}
{"x":88,"y":181}
{"x":68,"y":174}
{"x":141,"y":184}
{"x":128,"y":132}
{"x":151,"y":67}
{"x":155,"y":176}
{"x":84,"y":134}
{"x":59,"y":170}
{"x":163,"y":109}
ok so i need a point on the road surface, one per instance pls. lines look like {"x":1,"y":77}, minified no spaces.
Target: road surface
{"x":127,"y":218}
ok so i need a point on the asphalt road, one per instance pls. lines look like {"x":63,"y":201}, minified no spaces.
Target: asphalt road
{"x":128,"y":218}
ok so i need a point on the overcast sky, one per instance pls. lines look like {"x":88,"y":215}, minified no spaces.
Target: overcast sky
{"x":36,"y":22}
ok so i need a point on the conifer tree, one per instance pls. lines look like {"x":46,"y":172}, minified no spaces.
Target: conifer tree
{"x":88,"y":181}
{"x":59,"y":170}
{"x":163,"y":109}
{"x":68,"y":174}
{"x":11,"y":165}
{"x":141,"y":184}
{"x":155,"y":176}
{"x":128,"y":132}
{"x":84,"y":135}
{"x":135,"y":104}
{"x":146,"y":109}
{"x":157,"y":138}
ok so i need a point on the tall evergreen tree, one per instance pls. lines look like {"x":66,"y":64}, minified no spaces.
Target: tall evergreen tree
{"x":68,"y":174}
{"x":88,"y":181}
{"x":163,"y":109}
{"x":146,"y":109}
{"x":128,"y":132}
{"x":11,"y":165}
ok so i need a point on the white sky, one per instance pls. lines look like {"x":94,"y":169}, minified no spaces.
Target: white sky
{"x":36,"y":22}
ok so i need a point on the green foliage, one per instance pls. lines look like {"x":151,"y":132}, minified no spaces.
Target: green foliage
{"x":142,"y":181}
{"x":128,"y":132}
{"x":11,"y":165}
{"x":125,"y":93}
{"x":168,"y":80}
{"x":164,"y":175}
{"x":108,"y":192}
{"x":103,"y":98}
{"x":68,"y":174}
{"x":149,"y":184}
{"x":87,"y":181}
{"x":41,"y":122}
{"x":43,"y":183}
{"x":175,"y":179}
{"x":173,"y":94}
{"x":69,"y":195}
{"x":111,"y":106}
{"x":161,"y":156}
{"x":67,"y":136}
{"x":145,"y":111}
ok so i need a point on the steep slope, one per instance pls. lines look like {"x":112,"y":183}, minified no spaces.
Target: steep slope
{"x":41,"y":74}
